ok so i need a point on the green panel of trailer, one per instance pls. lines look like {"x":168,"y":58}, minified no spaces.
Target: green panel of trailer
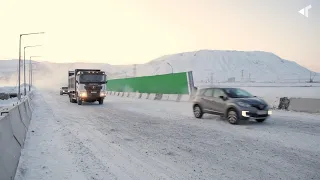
{"x":175,"y":83}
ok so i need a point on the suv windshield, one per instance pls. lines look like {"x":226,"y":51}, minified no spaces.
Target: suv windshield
{"x":237,"y":93}
{"x":64,"y":88}
{"x":92,"y":78}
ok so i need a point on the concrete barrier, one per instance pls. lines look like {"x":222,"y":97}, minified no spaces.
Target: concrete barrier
{"x":152,"y":96}
{"x":158,"y":97}
{"x":10,"y":150}
{"x":185,"y":97}
{"x":144,"y":96}
{"x":132,"y":94}
{"x":173,"y":97}
{"x":18,"y":122}
{"x":28,"y":107}
{"x":125,"y":94}
{"x":13,"y":129}
{"x":25,"y":116}
{"x":304,"y":105}
{"x":294,"y":104}
{"x":138,"y":95}
{"x":165,"y":97}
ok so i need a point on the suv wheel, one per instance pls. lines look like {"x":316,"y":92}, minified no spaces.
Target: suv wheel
{"x":197,"y":111}
{"x":232,"y":116}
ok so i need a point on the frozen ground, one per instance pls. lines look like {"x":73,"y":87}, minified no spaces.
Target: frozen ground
{"x":142,"y":139}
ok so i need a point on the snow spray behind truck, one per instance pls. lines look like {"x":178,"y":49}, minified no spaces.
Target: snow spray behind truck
{"x":87,"y":85}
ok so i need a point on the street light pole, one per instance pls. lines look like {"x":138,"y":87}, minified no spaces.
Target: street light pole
{"x":19,"y":68}
{"x":31,"y":72}
{"x":24,"y":67}
{"x":171,"y":67}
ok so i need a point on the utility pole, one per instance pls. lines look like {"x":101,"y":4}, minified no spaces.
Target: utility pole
{"x":212,"y":73}
{"x":249,"y":77}
{"x":310,"y":77}
{"x":134,"y":70}
{"x":24,"y":66}
{"x":241,"y":75}
{"x":171,"y":67}
{"x":31,"y":72}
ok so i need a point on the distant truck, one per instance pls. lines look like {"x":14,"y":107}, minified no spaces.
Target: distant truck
{"x":87,"y":85}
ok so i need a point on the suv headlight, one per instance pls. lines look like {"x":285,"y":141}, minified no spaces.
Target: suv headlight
{"x":242,"y":104}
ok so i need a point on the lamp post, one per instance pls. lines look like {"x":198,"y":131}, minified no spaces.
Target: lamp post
{"x":30,"y":72}
{"x":171,"y":67}
{"x":24,"y":67}
{"x":19,"y":78}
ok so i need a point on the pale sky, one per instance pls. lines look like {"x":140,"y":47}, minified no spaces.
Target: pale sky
{"x":137,"y":31}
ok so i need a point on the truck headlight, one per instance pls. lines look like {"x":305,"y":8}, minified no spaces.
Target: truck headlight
{"x":83,"y":94}
{"x":102,"y":94}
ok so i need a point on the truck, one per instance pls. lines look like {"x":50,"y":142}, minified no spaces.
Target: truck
{"x":87,"y":85}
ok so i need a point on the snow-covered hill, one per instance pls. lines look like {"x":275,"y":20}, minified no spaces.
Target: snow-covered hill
{"x":207,"y":66}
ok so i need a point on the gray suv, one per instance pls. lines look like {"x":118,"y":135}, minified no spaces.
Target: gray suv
{"x":234,"y":104}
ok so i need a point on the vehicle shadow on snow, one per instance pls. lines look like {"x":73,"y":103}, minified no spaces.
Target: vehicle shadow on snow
{"x":251,"y":122}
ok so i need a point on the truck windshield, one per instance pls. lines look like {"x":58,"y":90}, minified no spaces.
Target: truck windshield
{"x":92,"y":78}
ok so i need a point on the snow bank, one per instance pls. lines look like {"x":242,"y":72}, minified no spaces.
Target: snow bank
{"x":8,"y":102}
{"x":8,"y":89}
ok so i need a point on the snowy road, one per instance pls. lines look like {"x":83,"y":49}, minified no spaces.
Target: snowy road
{"x":142,"y":139}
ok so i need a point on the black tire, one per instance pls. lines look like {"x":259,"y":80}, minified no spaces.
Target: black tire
{"x":79,"y":101}
{"x":232,"y":116}
{"x":61,"y":94}
{"x":101,"y":101}
{"x":197,"y":111}
{"x":261,"y":120}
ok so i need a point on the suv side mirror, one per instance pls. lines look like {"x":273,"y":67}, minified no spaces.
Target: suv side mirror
{"x":223,"y":98}
{"x":106,"y":82}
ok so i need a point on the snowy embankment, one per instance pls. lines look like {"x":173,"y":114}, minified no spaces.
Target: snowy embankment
{"x":8,"y":90}
{"x":7,"y":102}
{"x":141,"y":139}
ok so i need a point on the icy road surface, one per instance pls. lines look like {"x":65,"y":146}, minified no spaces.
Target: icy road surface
{"x":144,"y":140}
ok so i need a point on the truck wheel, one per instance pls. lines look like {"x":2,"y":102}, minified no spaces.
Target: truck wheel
{"x":79,"y":101}
{"x":101,"y":101}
